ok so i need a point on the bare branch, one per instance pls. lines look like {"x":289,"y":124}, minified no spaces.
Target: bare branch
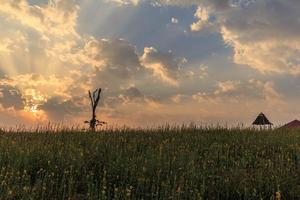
{"x":94,"y":95}
{"x":92,"y":102}
{"x":98,"y":97}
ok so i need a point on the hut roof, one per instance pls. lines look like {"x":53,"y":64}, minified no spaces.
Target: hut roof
{"x":262,"y":120}
{"x":292,"y":125}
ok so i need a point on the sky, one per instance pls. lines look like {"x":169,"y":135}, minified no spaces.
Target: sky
{"x":157,"y":61}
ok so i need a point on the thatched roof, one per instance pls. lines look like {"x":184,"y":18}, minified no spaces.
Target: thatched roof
{"x":292,"y":125}
{"x":261,"y":120}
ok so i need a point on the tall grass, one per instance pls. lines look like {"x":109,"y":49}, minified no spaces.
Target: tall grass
{"x":183,"y":162}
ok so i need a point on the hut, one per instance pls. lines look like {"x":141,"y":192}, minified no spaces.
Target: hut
{"x":262,"y":121}
{"x":292,"y":125}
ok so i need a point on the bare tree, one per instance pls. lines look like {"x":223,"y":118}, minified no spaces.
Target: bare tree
{"x":94,"y":97}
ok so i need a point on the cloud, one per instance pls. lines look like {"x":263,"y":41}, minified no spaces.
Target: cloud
{"x":164,"y":65}
{"x":58,"y":109}
{"x":118,"y":60}
{"x":131,"y":96}
{"x":38,"y":38}
{"x":38,"y":93}
{"x":5,"y":45}
{"x":215,"y":3}
{"x":129,"y":104}
{"x":203,"y":16}
{"x":119,"y":57}
{"x":263,"y":34}
{"x":239,"y":91}
{"x":133,"y":92}
{"x":174,"y":20}
{"x":124,"y":2}
{"x":134,"y":95}
{"x":179,"y":98}
{"x":51,"y":85}
{"x":113,"y":63}
{"x":11,"y":97}
{"x":57,"y":18}
{"x":203,"y":71}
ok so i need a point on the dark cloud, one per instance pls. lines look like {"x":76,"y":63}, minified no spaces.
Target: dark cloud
{"x":117,"y":57}
{"x":164,"y":65}
{"x":131,"y":95}
{"x":241,"y":91}
{"x":11,"y":97}
{"x":133,"y":92}
{"x":58,"y":109}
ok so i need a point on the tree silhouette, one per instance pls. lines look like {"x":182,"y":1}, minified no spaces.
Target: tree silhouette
{"x":94,"y":97}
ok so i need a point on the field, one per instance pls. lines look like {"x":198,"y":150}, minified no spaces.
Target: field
{"x":162,"y":163}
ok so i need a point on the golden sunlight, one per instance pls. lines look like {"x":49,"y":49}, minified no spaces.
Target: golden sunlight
{"x":32,"y":109}
{"x":32,"y":101}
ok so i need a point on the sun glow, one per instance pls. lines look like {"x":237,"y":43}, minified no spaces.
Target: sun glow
{"x":33,"y":99}
{"x":32,"y":109}
{"x":34,"y":114}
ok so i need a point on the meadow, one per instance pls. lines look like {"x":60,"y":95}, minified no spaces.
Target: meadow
{"x":160,"y":163}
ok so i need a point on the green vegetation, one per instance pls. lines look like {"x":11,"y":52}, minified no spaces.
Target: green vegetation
{"x":165,"y":163}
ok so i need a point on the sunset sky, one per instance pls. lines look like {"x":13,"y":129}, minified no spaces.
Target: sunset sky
{"x":157,"y":61}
